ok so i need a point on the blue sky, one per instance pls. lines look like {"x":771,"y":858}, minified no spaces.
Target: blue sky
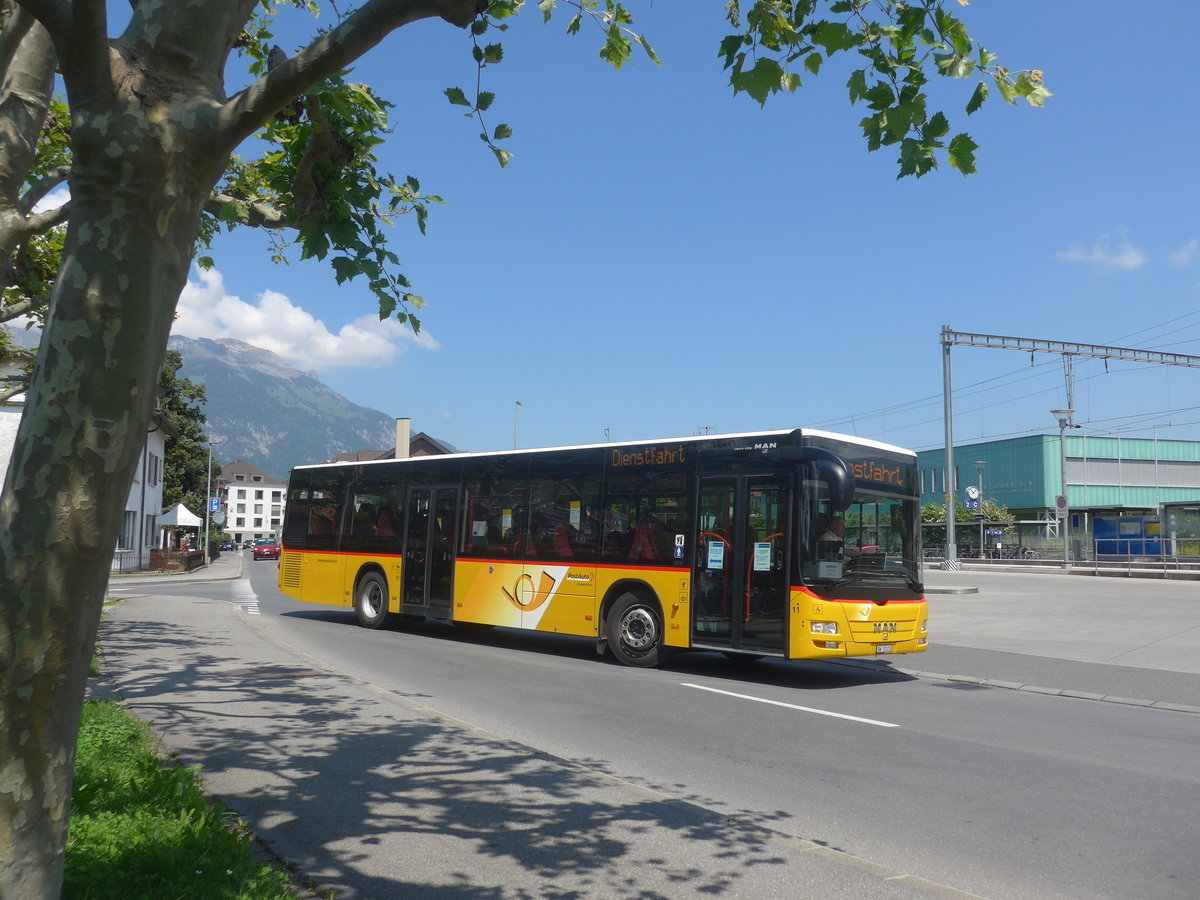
{"x":662,"y":257}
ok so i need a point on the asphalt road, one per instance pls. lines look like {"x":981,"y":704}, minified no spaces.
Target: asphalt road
{"x":440,"y":762}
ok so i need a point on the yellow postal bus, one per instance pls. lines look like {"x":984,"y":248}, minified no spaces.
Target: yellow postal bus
{"x":792,"y":544}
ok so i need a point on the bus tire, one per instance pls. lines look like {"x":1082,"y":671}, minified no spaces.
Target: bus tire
{"x":371,"y":601}
{"x":634,"y":628}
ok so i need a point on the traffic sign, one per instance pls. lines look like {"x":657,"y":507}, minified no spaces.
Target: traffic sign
{"x":214,"y":504}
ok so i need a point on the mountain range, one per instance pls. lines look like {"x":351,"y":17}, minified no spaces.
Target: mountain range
{"x":267,"y":413}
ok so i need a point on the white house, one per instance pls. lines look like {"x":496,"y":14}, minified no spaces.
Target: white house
{"x":252,"y":501}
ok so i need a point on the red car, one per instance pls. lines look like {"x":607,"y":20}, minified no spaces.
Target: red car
{"x":266,"y":550}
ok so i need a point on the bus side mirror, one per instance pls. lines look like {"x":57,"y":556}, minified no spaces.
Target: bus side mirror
{"x":831,"y":468}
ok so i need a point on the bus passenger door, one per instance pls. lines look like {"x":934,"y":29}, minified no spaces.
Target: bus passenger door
{"x":740,"y":580}
{"x":429,"y":549}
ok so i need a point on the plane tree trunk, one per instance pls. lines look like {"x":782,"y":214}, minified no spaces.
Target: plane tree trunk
{"x":152,"y":131}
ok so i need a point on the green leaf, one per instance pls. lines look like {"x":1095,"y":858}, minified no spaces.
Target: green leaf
{"x":493,"y":53}
{"x":503,"y":156}
{"x":961,"y":153}
{"x":977,"y":98}
{"x":916,"y":158}
{"x":937,"y":127}
{"x":547,"y":8}
{"x":730,"y":46}
{"x":1029,"y":86}
{"x":617,"y":46}
{"x":345,"y":268}
{"x":857,"y":85}
{"x":791,"y":81}
{"x":649,"y":50}
{"x":457,"y":97}
{"x":484,"y":100}
{"x":573,"y":26}
{"x":501,"y":132}
{"x":834,"y":36}
{"x":872,"y":127}
{"x":204,"y":262}
{"x":764,"y":79}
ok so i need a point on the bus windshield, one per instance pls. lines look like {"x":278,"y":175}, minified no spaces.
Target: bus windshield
{"x":871,"y":540}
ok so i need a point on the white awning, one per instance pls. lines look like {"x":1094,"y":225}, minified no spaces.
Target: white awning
{"x":180,"y":515}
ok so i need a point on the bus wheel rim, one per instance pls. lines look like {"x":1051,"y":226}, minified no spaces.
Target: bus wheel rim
{"x":371,"y":600}
{"x":639,"y":630}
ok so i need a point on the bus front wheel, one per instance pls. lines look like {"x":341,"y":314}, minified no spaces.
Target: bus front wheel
{"x":371,"y":601}
{"x":635,"y":631}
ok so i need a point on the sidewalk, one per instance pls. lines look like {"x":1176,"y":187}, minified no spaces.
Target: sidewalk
{"x":1134,"y":641}
{"x":221,"y":568}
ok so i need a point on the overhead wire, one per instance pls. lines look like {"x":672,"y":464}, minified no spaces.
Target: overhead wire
{"x":1018,"y":376}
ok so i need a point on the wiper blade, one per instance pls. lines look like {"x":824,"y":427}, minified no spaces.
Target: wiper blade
{"x":848,"y":579}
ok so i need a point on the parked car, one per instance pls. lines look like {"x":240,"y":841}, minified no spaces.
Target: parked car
{"x":266,"y":550}
{"x":228,"y":545}
{"x":248,"y":545}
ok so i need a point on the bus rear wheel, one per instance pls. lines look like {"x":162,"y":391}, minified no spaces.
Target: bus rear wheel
{"x":635,"y":632}
{"x":371,"y":601}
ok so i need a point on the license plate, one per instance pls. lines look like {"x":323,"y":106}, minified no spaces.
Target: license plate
{"x":883,"y":648}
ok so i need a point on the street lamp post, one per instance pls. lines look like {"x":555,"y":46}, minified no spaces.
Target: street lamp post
{"x":1064,"y":422}
{"x":979,"y":464}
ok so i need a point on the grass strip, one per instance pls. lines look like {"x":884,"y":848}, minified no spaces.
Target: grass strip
{"x":141,"y":826}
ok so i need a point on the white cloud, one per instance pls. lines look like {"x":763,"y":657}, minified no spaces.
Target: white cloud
{"x":54,"y":199}
{"x":1185,"y":254}
{"x":275,"y":323}
{"x":1104,"y":254}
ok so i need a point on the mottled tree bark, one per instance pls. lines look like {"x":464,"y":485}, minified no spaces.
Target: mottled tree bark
{"x":152,"y":131}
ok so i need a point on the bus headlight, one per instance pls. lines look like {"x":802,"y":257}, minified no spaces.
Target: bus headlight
{"x":925,"y":625}
{"x":824,"y":628}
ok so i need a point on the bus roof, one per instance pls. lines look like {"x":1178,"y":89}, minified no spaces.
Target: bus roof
{"x":796,"y":432}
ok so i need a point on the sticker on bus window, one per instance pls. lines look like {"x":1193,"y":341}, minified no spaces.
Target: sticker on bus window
{"x":479,"y":528}
{"x":829,"y":570}
{"x":680,"y":540}
{"x":716,"y":554}
{"x":762,"y":556}
{"x":576,"y":515}
{"x":506,"y":519}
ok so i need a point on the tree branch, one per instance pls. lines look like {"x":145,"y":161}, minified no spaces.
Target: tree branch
{"x":12,"y":311}
{"x":42,"y":187}
{"x":14,"y":24}
{"x":73,"y":26}
{"x":28,"y":81}
{"x":257,"y":215}
{"x":333,"y":51}
{"x":40,"y":223}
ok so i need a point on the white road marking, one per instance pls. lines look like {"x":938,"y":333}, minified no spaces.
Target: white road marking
{"x":244,"y":596}
{"x":819,"y":712}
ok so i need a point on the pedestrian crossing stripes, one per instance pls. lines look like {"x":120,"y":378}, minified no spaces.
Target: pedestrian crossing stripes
{"x":244,"y":596}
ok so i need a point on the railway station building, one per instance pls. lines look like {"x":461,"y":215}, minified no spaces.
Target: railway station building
{"x":1124,"y":495}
